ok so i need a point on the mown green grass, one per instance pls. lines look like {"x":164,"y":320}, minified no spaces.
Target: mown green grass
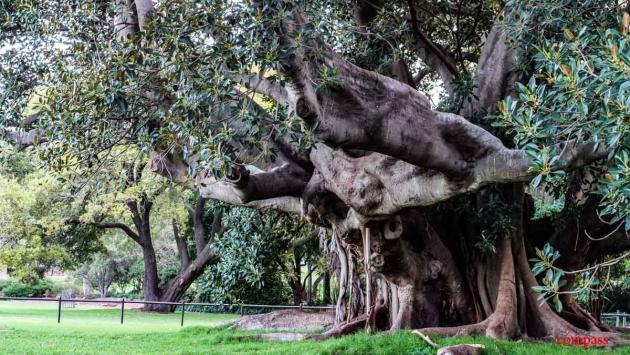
{"x":42,"y":316}
{"x":30,"y":328}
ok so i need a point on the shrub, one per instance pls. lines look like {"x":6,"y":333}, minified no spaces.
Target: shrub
{"x":66,"y":289}
{"x":15,"y":288}
{"x":131,"y":295}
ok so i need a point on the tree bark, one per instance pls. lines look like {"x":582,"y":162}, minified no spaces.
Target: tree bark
{"x":326,"y":292}
{"x":182,"y":248}
{"x":295,"y":279}
{"x":196,"y":214}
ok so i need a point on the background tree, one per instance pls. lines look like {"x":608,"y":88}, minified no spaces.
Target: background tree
{"x":258,"y":263}
{"x":103,"y":270}
{"x":34,"y":204}
{"x":249,"y":271}
{"x":124,"y":197}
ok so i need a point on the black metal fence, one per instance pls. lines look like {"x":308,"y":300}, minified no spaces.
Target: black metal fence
{"x":179,"y":306}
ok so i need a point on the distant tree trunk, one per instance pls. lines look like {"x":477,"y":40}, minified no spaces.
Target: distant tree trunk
{"x":190,"y":270}
{"x":326,"y":293}
{"x":174,"y":289}
{"x":309,"y":280}
{"x":315,"y":288}
{"x":140,"y":212}
{"x":182,"y":248}
{"x":150,"y":289}
{"x":87,"y":287}
{"x":102,"y":288}
{"x":295,"y":279}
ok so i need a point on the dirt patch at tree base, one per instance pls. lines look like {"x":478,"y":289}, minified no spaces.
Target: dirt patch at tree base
{"x":276,"y":336}
{"x":288,"y":319}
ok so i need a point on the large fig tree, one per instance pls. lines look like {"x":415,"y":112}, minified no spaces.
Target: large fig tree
{"x":421,"y":133}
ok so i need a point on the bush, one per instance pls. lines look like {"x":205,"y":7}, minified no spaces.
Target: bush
{"x":15,"y":288}
{"x":132,"y":295}
{"x":66,"y":289}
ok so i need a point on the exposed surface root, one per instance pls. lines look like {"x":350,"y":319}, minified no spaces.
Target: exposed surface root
{"x":462,"y":349}
{"x":462,"y":330}
{"x":345,"y":328}
{"x":425,"y":338}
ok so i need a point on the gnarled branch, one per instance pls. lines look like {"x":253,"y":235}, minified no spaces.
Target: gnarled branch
{"x":111,"y":225}
{"x":376,"y":184}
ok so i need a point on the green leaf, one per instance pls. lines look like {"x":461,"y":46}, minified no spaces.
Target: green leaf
{"x":558,"y":306}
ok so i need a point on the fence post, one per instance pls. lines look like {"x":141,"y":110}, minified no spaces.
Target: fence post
{"x":122,"y":311}
{"x":241,"y":310}
{"x":617,"y":318}
{"x":183,"y":309}
{"x":59,"y":310}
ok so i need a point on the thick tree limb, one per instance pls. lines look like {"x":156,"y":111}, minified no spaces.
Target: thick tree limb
{"x":25,"y":137}
{"x":286,"y":180}
{"x":495,"y":77}
{"x":376,"y":185}
{"x":284,"y":184}
{"x":227,"y":192}
{"x":363,"y":110}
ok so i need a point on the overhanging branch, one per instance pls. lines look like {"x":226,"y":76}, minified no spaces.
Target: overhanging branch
{"x":277,"y":196}
{"x":111,"y":225}
{"x":25,"y":137}
{"x":376,"y":185}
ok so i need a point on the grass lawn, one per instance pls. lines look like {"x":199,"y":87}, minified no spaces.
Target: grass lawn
{"x":31,"y":328}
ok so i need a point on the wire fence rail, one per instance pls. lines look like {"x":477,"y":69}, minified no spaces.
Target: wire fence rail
{"x":182,"y":305}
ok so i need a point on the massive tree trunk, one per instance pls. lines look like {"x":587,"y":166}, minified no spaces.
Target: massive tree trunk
{"x":426,"y":256}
